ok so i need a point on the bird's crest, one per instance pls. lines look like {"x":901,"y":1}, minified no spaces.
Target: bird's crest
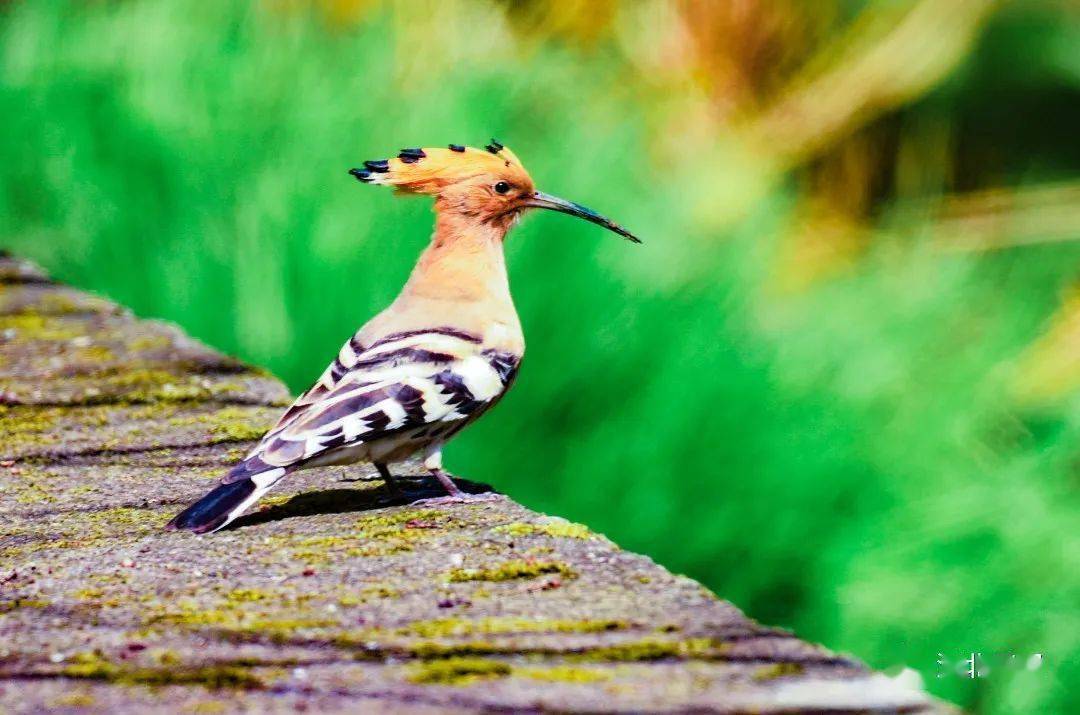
{"x":429,"y":170}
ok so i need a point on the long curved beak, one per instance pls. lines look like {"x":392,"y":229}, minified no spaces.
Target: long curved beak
{"x":541,"y":200}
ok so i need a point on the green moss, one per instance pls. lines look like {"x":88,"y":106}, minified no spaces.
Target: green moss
{"x":77,"y":529}
{"x":231,"y":424}
{"x":30,"y":492}
{"x":516,"y":529}
{"x":32,"y":428}
{"x":324,"y":556}
{"x":431,"y":650}
{"x":188,"y":420}
{"x":556,"y":528}
{"x":129,"y":518}
{"x":312,"y":558}
{"x":165,"y":656}
{"x":369,"y":593}
{"x":457,"y":671}
{"x":89,"y":666}
{"x":152,"y":385}
{"x":650,"y":649}
{"x":510,"y":570}
{"x":778,"y":670}
{"x":379,"y":535}
{"x":139,"y":377}
{"x":196,"y":617}
{"x":21,"y":420}
{"x":235,"y":455}
{"x":396,"y":523}
{"x":142,"y":382}
{"x":240,"y":431}
{"x":444,"y":627}
{"x":238,"y":621}
{"x":563,"y":674}
{"x":126,"y":384}
{"x":369,"y":644}
{"x":287,"y":625}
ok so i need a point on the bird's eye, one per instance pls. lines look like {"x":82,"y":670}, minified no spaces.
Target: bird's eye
{"x":502,"y":187}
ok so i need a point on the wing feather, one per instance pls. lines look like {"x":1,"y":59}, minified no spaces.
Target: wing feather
{"x":402,"y":382}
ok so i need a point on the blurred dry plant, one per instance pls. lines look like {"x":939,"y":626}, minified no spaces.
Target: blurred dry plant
{"x":891,"y":55}
{"x":583,"y":22}
{"x":1050,"y":367}
{"x":800,"y":90}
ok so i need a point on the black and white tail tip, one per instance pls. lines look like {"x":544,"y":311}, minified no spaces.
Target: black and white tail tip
{"x":224,"y":503}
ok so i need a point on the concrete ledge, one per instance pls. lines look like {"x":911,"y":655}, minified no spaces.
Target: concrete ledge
{"x":332,"y":597}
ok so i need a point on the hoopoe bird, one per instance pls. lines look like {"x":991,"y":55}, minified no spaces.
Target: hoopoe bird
{"x":442,"y":354}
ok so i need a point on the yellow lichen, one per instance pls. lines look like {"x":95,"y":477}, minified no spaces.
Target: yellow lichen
{"x":230,"y":424}
{"x":379,"y":535}
{"x":240,"y":431}
{"x":237,"y":620}
{"x":94,"y":353}
{"x":431,"y":650}
{"x":510,"y":570}
{"x":778,"y":670}
{"x":367,"y":594}
{"x":563,"y":674}
{"x":394,"y":524}
{"x":75,"y":700}
{"x":20,"y":420}
{"x":457,"y":671}
{"x":556,"y":528}
{"x":246,"y":595}
{"x":650,"y":649}
{"x":58,"y":304}
{"x":502,"y":625}
{"x":149,"y":342}
{"x":18,"y":603}
{"x":89,"y":666}
{"x":39,"y":327}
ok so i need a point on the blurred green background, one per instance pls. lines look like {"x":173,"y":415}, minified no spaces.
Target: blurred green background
{"x":839,"y":381}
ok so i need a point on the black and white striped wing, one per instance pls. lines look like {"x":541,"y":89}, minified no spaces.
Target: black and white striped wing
{"x":396,"y":387}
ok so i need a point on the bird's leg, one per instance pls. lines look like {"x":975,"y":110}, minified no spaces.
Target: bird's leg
{"x":454,"y":495}
{"x":448,"y":484}
{"x":433,"y":463}
{"x":388,"y":479}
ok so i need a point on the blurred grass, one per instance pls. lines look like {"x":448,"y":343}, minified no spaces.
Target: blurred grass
{"x":833,"y":384}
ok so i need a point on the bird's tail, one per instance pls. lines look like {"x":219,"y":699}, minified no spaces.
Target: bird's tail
{"x":225,"y":502}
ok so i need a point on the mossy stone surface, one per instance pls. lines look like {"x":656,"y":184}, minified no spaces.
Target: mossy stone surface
{"x":333,"y":596}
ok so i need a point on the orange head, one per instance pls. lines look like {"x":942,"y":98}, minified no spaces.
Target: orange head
{"x":488,"y":185}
